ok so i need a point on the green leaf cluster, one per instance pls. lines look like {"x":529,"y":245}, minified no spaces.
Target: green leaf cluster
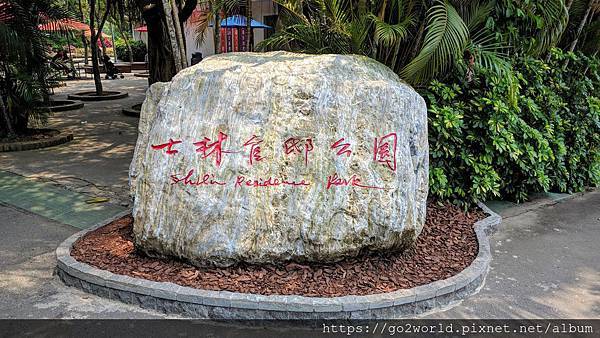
{"x":484,"y":144}
{"x":138,"y":49}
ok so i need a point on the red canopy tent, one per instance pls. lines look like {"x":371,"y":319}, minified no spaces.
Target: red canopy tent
{"x":64,"y":25}
{"x":142,"y":29}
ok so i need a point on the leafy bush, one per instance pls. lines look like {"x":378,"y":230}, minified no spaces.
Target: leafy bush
{"x":484,"y":144}
{"x":138,"y":48}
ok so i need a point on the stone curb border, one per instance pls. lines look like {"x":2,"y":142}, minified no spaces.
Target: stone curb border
{"x":131,"y":111}
{"x":67,"y":105}
{"x":84,"y":96}
{"x":38,"y":144}
{"x":175,"y":299}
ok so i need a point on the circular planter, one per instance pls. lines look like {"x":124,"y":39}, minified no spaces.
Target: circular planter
{"x":54,"y":140}
{"x":172,"y":298}
{"x":61,"y":105}
{"x":91,"y":96}
{"x":134,"y":111}
{"x":57,"y":84}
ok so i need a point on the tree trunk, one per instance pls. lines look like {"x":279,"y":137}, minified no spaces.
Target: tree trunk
{"x":102,"y":45}
{"x":94,"y":45}
{"x":172,"y":36}
{"x":94,"y":41}
{"x":83,"y":39}
{"x":581,"y":26}
{"x":161,"y":55}
{"x":248,"y":24}
{"x":217,"y":34}
{"x":125,"y":38}
{"x":10,"y":130}
{"x":177,"y":24}
{"x":161,"y":64}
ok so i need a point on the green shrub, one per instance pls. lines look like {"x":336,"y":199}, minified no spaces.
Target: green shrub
{"x":138,"y":48}
{"x":486,"y":144}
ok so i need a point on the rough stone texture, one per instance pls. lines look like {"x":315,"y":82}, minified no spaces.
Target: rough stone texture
{"x":276,"y":96}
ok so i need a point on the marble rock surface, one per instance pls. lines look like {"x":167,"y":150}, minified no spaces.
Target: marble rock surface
{"x":274,"y":157}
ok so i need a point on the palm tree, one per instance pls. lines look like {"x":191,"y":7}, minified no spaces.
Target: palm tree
{"x":24,"y":62}
{"x":418,"y":39}
{"x":212,"y":14}
{"x":584,"y":27}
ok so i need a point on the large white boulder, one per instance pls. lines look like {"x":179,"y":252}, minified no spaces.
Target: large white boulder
{"x":279,"y":156}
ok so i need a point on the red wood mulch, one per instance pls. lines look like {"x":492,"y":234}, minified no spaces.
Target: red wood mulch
{"x":446,"y":246}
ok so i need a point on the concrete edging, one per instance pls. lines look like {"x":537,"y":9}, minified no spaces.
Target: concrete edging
{"x":61,"y":138}
{"x":87,"y":96}
{"x":65,"y":106}
{"x":131,"y":111}
{"x":190,"y":302}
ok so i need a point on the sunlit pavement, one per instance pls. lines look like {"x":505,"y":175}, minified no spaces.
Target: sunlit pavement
{"x":545,"y":264}
{"x":96,"y":162}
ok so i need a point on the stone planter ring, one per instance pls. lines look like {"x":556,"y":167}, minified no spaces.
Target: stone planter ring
{"x":190,"y":302}
{"x":91,"y":96}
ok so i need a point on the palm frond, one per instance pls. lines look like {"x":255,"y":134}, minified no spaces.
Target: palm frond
{"x":446,"y":37}
{"x":555,"y":18}
{"x":389,"y":35}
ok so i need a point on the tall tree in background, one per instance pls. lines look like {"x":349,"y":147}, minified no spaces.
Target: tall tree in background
{"x":118,"y":19}
{"x":248,"y":25}
{"x":166,"y":47}
{"x":95,"y":34}
{"x":83,"y":38}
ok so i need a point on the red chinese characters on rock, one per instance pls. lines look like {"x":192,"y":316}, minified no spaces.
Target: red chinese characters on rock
{"x":384,"y":151}
{"x":169,"y":145}
{"x":342,"y":148}
{"x":298,"y":146}
{"x":208,"y":148}
{"x":254,"y":144}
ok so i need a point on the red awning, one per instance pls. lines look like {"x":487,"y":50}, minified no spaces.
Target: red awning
{"x":64,"y":25}
{"x":141,"y":29}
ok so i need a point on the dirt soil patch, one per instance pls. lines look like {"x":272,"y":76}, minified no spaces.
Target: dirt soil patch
{"x":446,"y":246}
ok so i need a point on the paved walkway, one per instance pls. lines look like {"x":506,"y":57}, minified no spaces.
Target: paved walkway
{"x":546,"y":258}
{"x":53,"y":202}
{"x":546,"y":264}
{"x":97,"y":161}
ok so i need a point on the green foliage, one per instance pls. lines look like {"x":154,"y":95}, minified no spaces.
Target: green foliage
{"x":25,"y":66}
{"x":483,"y":145}
{"x":531,"y":27}
{"x":421,"y":40}
{"x":445,"y":40}
{"x":60,"y":40}
{"x":138,"y":48}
